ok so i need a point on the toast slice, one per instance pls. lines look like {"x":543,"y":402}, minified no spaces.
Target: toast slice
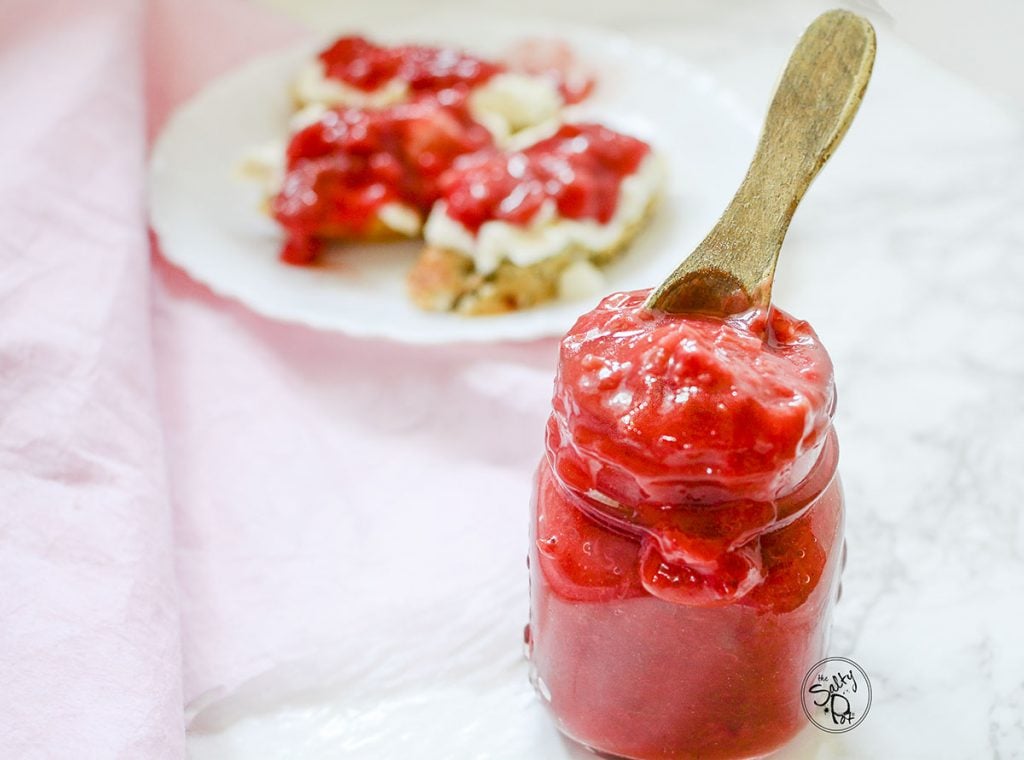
{"x":444,"y":279}
{"x":515,"y":229}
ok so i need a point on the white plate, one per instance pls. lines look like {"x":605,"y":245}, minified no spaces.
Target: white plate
{"x":208,"y":221}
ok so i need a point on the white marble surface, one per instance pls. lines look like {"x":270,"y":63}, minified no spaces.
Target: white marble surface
{"x":908,"y":256}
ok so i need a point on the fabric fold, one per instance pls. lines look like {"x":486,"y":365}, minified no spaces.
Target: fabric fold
{"x":90,"y":646}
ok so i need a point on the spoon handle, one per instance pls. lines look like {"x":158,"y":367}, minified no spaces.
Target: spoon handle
{"x":817,"y":98}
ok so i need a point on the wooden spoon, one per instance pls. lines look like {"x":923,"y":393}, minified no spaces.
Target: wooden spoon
{"x":819,"y":94}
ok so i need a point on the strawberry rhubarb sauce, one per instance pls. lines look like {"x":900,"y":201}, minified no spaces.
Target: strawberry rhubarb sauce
{"x":578,"y":170}
{"x":687,"y":531}
{"x":372,"y":169}
{"x":352,"y":162}
{"x":362,"y":64}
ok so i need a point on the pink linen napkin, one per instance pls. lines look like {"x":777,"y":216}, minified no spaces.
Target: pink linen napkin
{"x":90,"y":633}
{"x":90,"y":657}
{"x":190,"y":491}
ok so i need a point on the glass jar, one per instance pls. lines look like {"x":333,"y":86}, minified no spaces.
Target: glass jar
{"x":679,"y":629}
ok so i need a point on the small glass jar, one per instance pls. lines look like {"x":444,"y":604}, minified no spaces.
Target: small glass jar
{"x":632,"y":675}
{"x":640,"y":654}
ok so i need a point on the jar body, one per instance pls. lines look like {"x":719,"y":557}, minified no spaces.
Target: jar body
{"x":633,"y":675}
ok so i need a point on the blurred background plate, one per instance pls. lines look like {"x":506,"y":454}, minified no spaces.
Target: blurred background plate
{"x":208,"y":219}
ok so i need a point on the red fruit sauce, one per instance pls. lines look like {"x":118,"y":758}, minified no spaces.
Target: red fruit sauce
{"x":580,"y":169}
{"x":366,"y":66}
{"x":687,"y":530}
{"x":341,"y":170}
{"x":344,"y":167}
